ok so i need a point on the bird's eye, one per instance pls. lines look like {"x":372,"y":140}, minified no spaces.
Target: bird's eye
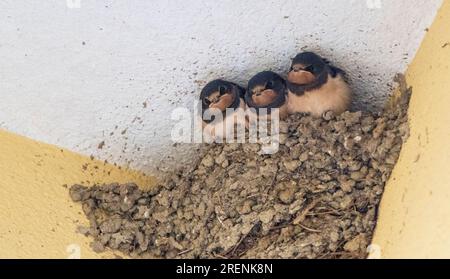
{"x":222,"y":90}
{"x":310,"y":69}
{"x":269,"y":84}
{"x":206,"y":101}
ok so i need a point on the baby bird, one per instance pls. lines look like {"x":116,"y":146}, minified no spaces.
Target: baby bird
{"x":218,"y":96}
{"x":267,"y":90}
{"x":316,"y":87}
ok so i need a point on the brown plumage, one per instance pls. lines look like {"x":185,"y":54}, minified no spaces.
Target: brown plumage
{"x":227,"y":98}
{"x":316,"y":87}
{"x":266,"y":91}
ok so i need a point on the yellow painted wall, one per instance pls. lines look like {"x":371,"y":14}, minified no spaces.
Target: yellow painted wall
{"x":37,"y":217}
{"x":415,"y":211}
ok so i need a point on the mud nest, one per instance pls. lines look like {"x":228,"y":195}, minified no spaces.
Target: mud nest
{"x":315,"y":198}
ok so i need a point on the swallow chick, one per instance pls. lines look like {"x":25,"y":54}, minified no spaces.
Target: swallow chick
{"x":267,"y":90}
{"x":226,"y":98}
{"x":316,"y":87}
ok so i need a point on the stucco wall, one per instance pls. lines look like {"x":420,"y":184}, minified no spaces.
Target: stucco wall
{"x":414,"y":214}
{"x":76,"y":76}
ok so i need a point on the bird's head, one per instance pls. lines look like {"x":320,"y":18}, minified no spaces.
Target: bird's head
{"x":266,"y":90}
{"x":306,"y":68}
{"x":220,"y":94}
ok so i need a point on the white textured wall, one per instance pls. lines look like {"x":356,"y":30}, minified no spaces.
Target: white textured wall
{"x":77,"y":77}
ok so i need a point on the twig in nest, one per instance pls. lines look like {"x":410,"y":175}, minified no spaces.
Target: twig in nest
{"x":309,"y":229}
{"x":220,"y":221}
{"x":274,"y":179}
{"x":242,"y":254}
{"x":323,"y":213}
{"x":257,"y":195}
{"x":233,"y":250}
{"x":302,"y":216}
{"x":185,"y":252}
{"x":280,"y":227}
{"x":323,"y":256}
{"x":237,"y":244}
{"x":220,"y":256}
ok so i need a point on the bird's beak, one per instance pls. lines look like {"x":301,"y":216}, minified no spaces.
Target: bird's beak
{"x":224,"y":102}
{"x":264,"y":98}
{"x":301,"y":77}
